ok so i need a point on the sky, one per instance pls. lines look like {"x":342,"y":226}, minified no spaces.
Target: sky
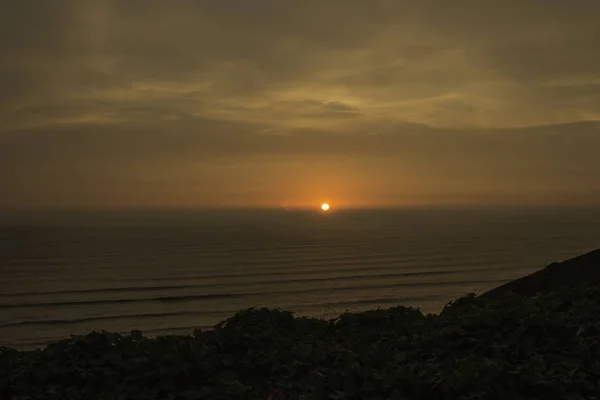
{"x":282,"y":103}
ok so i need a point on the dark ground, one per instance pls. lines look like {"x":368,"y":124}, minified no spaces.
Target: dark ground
{"x":580,"y":271}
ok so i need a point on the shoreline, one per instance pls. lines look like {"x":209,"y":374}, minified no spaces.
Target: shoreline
{"x":535,"y":337}
{"x":572,"y":272}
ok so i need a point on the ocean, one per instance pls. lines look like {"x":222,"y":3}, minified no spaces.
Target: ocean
{"x":170,"y":272}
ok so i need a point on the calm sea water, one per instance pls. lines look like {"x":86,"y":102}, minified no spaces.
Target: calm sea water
{"x":171,"y":272}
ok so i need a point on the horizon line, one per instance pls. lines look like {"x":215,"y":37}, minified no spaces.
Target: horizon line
{"x":291,"y":208}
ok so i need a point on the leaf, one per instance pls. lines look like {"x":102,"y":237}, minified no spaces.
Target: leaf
{"x":136,"y":335}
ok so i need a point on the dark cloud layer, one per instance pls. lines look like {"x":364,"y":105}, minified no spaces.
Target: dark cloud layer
{"x":126,"y":102}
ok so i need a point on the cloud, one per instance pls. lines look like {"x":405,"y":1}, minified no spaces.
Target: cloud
{"x":393,"y":58}
{"x":156,"y":165}
{"x":120,"y":87}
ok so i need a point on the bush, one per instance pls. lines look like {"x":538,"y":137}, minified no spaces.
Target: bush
{"x":545,"y":347}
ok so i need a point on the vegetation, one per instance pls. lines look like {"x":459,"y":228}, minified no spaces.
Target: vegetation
{"x":545,"y":347}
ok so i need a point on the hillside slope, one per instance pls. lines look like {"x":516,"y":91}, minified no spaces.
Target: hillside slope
{"x":580,"y":271}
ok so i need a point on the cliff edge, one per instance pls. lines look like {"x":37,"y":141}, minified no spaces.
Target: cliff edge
{"x":583,"y":270}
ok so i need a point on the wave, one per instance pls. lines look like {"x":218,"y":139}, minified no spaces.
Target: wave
{"x":222,"y":313}
{"x":101,"y":290}
{"x":264,"y":282}
{"x":115,"y":301}
{"x":105,"y":318}
{"x":195,"y":297}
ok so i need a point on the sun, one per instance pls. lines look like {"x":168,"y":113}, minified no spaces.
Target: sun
{"x":324,"y":206}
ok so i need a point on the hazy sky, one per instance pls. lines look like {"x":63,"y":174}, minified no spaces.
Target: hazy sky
{"x":121,"y":103}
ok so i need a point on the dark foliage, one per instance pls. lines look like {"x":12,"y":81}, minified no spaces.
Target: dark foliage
{"x":545,"y":347}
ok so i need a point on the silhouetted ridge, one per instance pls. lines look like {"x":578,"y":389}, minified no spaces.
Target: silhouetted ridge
{"x":580,"y":271}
